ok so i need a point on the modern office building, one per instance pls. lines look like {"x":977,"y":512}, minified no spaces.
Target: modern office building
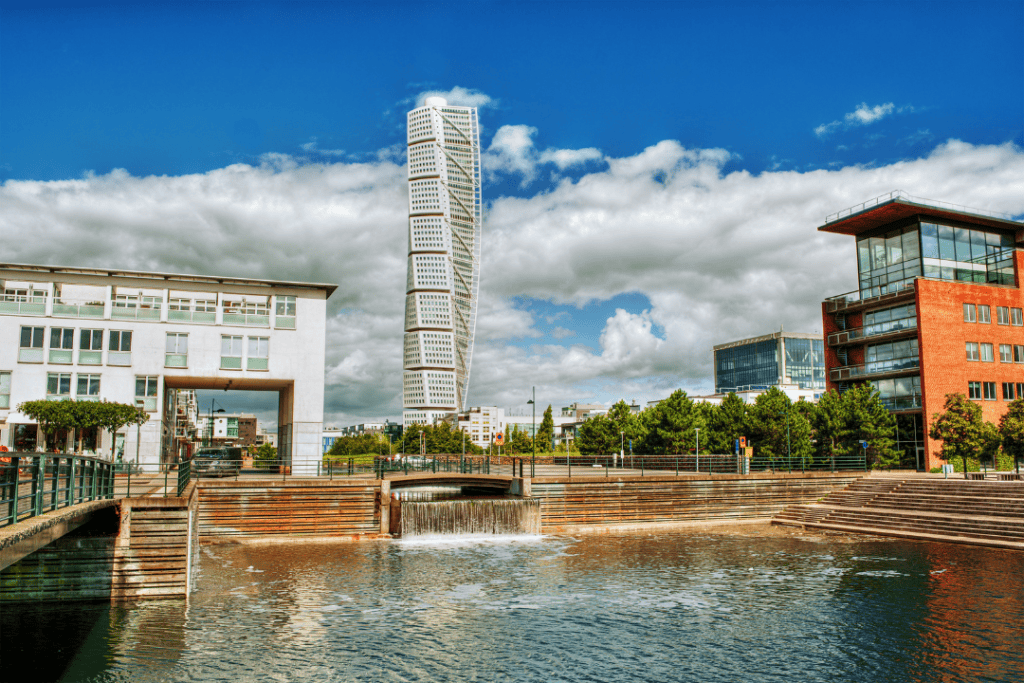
{"x":938,"y":311}
{"x":443,"y":278}
{"x":137,"y":338}
{"x":780,"y":358}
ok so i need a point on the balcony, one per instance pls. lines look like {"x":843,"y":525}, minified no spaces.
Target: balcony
{"x":247,"y":319}
{"x":877,"y":332}
{"x":895,"y":403}
{"x":860,"y":299}
{"x":72,"y":309}
{"x":898,"y":366}
{"x":191,"y":316}
{"x":133,"y":313}
{"x":30,"y":306}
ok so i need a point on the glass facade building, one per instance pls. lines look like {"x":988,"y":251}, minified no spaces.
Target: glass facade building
{"x":761,"y":362}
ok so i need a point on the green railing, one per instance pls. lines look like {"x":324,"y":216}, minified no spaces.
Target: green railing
{"x":32,"y":484}
{"x":184,"y":475}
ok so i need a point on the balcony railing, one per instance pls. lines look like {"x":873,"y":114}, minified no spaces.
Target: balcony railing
{"x":124,"y":313}
{"x":881,"y":367}
{"x":902,"y":402}
{"x":249,"y":319}
{"x":71,"y":309}
{"x":32,"y":306}
{"x":900,"y":194}
{"x":90,"y":357}
{"x":858,"y":297}
{"x":192,"y":316}
{"x":877,"y":330}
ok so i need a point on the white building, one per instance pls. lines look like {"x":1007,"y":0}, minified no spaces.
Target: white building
{"x":482,"y":423}
{"x":443,"y":279}
{"x":134,"y":337}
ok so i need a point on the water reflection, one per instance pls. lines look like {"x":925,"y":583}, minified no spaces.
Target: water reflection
{"x":657,"y":607}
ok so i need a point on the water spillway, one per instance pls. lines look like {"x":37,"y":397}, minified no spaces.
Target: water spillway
{"x":470,"y":516}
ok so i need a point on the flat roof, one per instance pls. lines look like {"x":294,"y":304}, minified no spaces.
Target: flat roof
{"x":142,"y":275}
{"x":766,"y":337}
{"x":898,"y":205}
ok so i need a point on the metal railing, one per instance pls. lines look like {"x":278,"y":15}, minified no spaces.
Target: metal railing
{"x":900,"y":194}
{"x":32,"y":484}
{"x":881,"y":367}
{"x":870,"y":331}
{"x":841,"y":301}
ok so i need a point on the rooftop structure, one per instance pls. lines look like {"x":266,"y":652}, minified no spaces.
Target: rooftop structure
{"x":776,"y":359}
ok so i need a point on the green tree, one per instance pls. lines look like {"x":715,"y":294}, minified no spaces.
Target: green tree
{"x":627,"y":424}
{"x":672,"y":424}
{"x":113,"y":416}
{"x":842,"y":422}
{"x":54,"y":417}
{"x":597,"y":436}
{"x":546,"y":431}
{"x":961,"y":429}
{"x":517,"y":441}
{"x":778,"y":431}
{"x":1011,"y":431}
{"x":725,"y":424}
{"x":265,"y":455}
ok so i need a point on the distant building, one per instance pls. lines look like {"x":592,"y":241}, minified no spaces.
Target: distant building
{"x":777,"y":359}
{"x":228,"y":430}
{"x":481,"y":424}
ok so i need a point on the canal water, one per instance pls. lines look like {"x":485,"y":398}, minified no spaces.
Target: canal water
{"x":744,"y":604}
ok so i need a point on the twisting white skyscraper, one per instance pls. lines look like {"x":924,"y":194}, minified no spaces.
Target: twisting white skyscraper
{"x":443,"y":280}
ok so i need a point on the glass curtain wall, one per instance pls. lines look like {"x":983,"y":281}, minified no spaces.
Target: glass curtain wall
{"x":749,"y":365}
{"x":886,"y":263}
{"x":805,"y":362}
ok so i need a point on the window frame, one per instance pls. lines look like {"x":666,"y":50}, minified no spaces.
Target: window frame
{"x":972,"y":351}
{"x":1006,"y":353}
{"x":987,"y":352}
{"x":970,"y":313}
{"x":989,"y":390}
{"x":121,"y":336}
{"x":1008,"y":394}
{"x":88,"y":378}
{"x":974,"y":391}
{"x":87,"y":337}
{"x":59,"y":377}
{"x":984,"y":314}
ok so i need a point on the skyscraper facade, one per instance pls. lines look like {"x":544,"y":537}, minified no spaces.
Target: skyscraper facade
{"x":443,"y":280}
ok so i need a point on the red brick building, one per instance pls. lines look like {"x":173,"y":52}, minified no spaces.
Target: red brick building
{"x":938,"y":311}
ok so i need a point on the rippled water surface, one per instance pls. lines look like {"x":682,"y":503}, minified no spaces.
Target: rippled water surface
{"x":727,"y":606}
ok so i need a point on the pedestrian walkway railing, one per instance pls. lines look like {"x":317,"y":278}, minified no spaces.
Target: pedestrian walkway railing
{"x":32,"y":484}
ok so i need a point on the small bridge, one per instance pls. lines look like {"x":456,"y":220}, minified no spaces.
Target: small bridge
{"x":499,"y":483}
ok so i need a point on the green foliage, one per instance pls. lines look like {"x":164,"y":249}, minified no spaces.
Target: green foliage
{"x":780,"y":434}
{"x":671,"y":425}
{"x":363,"y":443}
{"x":842,"y":422}
{"x":627,"y":425}
{"x":517,"y":441}
{"x":264,"y":456}
{"x":962,"y":430}
{"x":546,"y":430}
{"x":726,"y":423}
{"x":598,"y":436}
{"x":440,"y":438}
{"x":1011,"y":430}
{"x":55,"y":416}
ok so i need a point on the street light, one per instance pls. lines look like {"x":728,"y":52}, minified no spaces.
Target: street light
{"x":532,"y":402}
{"x":622,"y":446}
{"x":697,"y":429}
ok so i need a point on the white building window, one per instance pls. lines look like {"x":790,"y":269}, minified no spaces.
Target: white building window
{"x":177,"y":350}
{"x":90,"y":347}
{"x":259,"y":354}
{"x":58,"y":386}
{"x":230,"y":352}
{"x":88,"y":387}
{"x":31,"y":349}
{"x":145,"y":392}
{"x":5,"y":390}
{"x":119,"y":350}
{"x":62,"y":344}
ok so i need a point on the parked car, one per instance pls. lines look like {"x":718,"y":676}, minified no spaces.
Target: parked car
{"x":215,"y":462}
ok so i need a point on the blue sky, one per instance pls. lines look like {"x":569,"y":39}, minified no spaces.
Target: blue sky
{"x":725,"y":132}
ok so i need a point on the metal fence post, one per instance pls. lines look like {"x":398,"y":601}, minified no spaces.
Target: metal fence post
{"x":38,"y":482}
{"x":95,"y":481}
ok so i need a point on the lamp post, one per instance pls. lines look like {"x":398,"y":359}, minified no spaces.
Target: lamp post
{"x":140,"y":404}
{"x":212,"y":411}
{"x":697,"y":464}
{"x":622,"y":446}
{"x":532,"y":402}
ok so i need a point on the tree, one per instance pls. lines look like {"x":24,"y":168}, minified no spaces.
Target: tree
{"x":1011,"y":431}
{"x":626,"y":424}
{"x":726,"y":423}
{"x":113,"y":416}
{"x":265,"y":455}
{"x":960,"y":428}
{"x":778,"y":431}
{"x":56,"y":416}
{"x":517,"y":441}
{"x":546,"y":431}
{"x":53,"y":417}
{"x":672,"y":425}
{"x":597,"y":436}
{"x":843,"y":421}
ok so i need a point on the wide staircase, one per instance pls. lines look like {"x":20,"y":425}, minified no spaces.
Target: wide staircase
{"x":954,"y":511}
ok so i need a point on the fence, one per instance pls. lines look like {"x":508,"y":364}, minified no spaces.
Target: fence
{"x":32,"y":484}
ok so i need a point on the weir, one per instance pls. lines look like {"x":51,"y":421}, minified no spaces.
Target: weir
{"x":469,"y":516}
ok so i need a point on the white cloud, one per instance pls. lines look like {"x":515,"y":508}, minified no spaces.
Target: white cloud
{"x":719,"y":256}
{"x":311,"y":147}
{"x":863,"y":115}
{"x":460,"y":97}
{"x":512,"y":151}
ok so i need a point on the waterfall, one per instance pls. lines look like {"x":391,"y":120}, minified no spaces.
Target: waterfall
{"x":491,"y":516}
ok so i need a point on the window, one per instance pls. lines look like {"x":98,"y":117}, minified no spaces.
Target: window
{"x":1019,"y":386}
{"x":31,"y":348}
{"x":145,"y":391}
{"x":1018,"y":353}
{"x":232,"y":429}
{"x":230,"y":353}
{"x":62,"y":344}
{"x":285,"y":312}
{"x":1016,"y":317}
{"x":88,"y":387}
{"x":972,"y":350}
{"x":5,"y":390}
{"x":120,"y":340}
{"x":990,"y":390}
{"x":984,"y":314}
{"x":259,"y":353}
{"x":1005,"y":353}
{"x":179,"y":305}
{"x":1002,"y":315}
{"x":974,"y":390}
{"x":176,"y":350}
{"x":969,"y":313}
{"x":58,"y":386}
{"x":126,"y":301}
{"x":1007,"y":391}
{"x":986,"y":353}
{"x":90,"y":347}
